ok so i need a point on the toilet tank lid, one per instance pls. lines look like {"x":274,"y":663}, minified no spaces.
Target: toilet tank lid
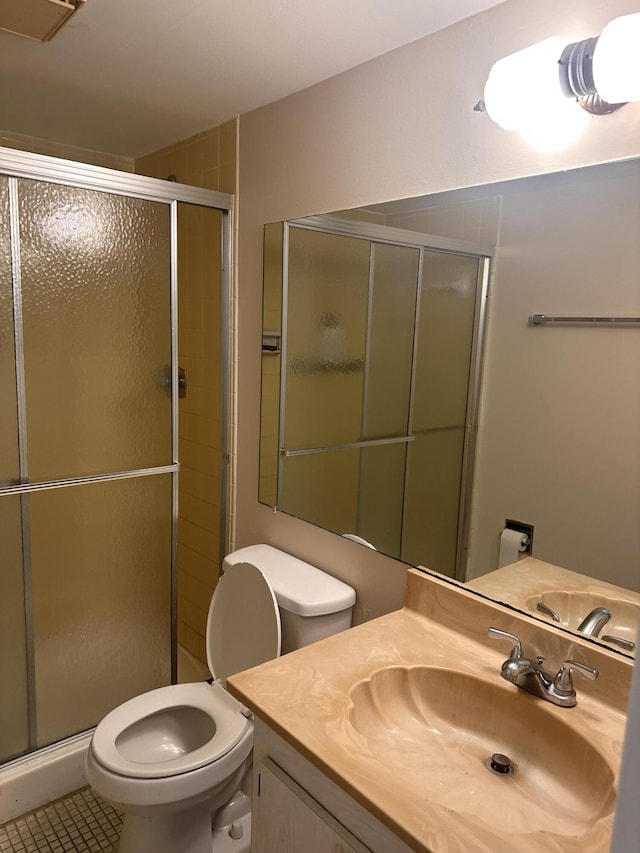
{"x":299,"y":587}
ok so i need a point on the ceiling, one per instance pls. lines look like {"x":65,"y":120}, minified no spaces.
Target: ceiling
{"x":131,"y":76}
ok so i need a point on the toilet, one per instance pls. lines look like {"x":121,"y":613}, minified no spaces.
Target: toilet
{"x":177,"y":760}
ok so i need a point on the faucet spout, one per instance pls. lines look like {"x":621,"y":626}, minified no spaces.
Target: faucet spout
{"x":595,"y":621}
{"x":530,"y":677}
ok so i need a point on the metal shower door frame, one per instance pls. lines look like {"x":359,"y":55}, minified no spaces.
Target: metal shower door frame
{"x":16,"y":165}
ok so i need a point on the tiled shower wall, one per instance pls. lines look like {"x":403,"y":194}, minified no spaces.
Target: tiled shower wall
{"x":207,"y":160}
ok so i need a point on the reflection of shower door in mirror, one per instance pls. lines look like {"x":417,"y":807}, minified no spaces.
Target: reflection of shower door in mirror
{"x":379,"y":343}
{"x":443,"y":413}
{"x":86,"y":456}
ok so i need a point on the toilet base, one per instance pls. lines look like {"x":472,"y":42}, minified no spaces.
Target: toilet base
{"x":188,"y":831}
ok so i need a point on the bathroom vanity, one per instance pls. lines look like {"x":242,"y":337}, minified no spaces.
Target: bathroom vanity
{"x":376,"y":739}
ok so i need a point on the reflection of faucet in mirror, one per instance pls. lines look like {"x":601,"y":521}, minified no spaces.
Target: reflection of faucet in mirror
{"x":565,"y":597}
{"x":595,"y":621}
{"x":562,"y":472}
{"x":544,"y":608}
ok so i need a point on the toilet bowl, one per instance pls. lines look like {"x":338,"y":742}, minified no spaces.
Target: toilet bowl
{"x":177,"y":760}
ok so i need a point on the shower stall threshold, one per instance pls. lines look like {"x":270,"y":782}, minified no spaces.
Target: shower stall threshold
{"x":28,"y":783}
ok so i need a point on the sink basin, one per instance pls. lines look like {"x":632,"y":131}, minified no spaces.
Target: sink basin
{"x":437,"y":727}
{"x":573,"y":606}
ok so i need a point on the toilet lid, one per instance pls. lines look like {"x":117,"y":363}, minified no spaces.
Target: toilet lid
{"x":243,"y":628}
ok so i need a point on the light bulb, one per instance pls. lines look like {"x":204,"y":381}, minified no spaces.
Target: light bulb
{"x":616,"y":60}
{"x":521,"y":84}
{"x":523,"y":93}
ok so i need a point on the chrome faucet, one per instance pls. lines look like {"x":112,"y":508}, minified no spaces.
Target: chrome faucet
{"x":595,"y":621}
{"x":529,"y":675}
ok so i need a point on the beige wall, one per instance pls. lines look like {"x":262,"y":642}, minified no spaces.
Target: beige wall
{"x":67,"y":152}
{"x":207,"y":160}
{"x":401,"y":125}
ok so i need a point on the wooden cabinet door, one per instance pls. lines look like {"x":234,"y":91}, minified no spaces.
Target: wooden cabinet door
{"x":286,"y":819}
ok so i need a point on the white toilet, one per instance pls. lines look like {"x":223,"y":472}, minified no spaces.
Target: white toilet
{"x":177,"y":760}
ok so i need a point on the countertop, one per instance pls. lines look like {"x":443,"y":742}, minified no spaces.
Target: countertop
{"x":305,"y":697}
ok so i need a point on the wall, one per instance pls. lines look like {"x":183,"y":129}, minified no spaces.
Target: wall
{"x":207,"y":160}
{"x":67,"y":152}
{"x":400,"y":125}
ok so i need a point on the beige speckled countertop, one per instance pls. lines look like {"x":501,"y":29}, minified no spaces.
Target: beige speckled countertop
{"x":305,"y":698}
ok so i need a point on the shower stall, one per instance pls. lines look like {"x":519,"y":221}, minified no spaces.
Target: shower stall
{"x":90,"y":281}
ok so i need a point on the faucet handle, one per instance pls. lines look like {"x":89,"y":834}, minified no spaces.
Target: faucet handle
{"x":497,"y":634}
{"x":563,"y":681}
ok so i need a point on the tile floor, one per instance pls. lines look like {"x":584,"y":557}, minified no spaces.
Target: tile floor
{"x":79,"y":822}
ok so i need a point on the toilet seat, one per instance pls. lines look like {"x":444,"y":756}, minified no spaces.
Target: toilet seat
{"x":183,"y":727}
{"x":203,"y":716}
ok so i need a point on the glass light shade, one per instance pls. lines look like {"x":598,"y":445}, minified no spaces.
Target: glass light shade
{"x":616,"y":60}
{"x":519,"y":86}
{"x":523,"y":93}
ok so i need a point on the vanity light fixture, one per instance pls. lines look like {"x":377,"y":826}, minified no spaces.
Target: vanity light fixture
{"x":543,"y":86}
{"x":604,"y":73}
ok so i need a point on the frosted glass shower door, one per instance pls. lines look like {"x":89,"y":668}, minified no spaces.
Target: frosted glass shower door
{"x":101,"y":569}
{"x":90,"y":550}
{"x":97,"y":331}
{"x":14,"y":694}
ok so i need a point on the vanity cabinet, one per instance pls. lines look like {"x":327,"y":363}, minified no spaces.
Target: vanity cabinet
{"x":291,"y":820}
{"x":297,"y":809}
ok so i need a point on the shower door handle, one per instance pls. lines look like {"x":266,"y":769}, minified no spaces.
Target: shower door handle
{"x":182,"y":381}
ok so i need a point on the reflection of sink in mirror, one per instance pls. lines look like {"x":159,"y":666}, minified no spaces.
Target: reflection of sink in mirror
{"x":572,"y":606}
{"x":440,"y":726}
{"x":531,"y":582}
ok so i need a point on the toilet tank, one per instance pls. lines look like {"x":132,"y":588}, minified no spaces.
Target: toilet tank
{"x":313,"y":605}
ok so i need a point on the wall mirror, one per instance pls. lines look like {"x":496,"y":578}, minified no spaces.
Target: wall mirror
{"x":455,"y":380}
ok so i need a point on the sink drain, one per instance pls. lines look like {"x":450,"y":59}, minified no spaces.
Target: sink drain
{"x":500,"y":764}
